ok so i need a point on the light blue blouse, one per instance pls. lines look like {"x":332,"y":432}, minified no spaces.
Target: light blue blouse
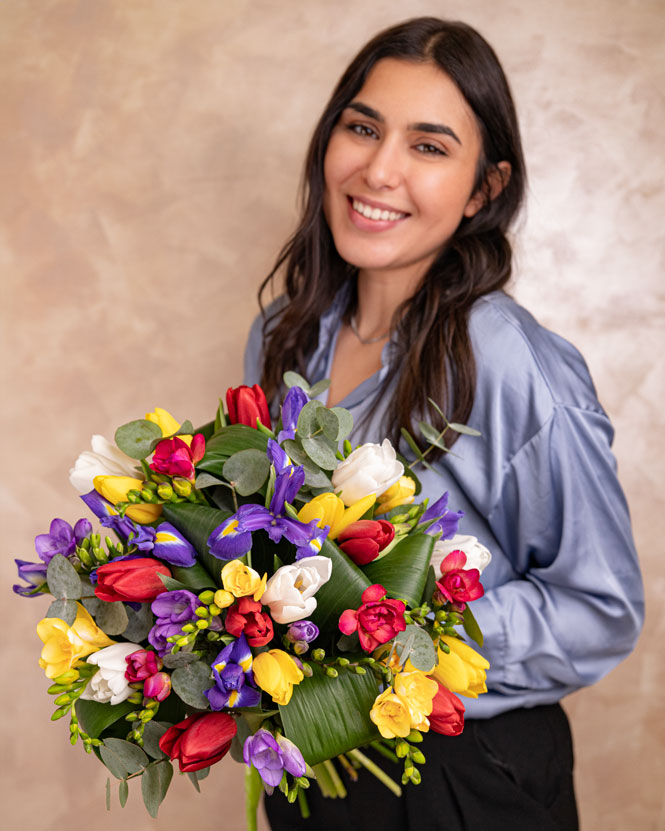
{"x":563,"y":597}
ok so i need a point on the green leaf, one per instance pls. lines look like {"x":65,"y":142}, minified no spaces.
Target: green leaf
{"x":343,"y":590}
{"x":293,"y":379}
{"x":112,"y":618}
{"x":471,"y":626}
{"x":194,"y":780}
{"x":316,"y":478}
{"x":319,"y":452}
{"x":403,"y":571}
{"x":95,"y":717}
{"x":152,"y":733}
{"x":206,"y":480}
{"x":179,"y":659}
{"x":122,"y":758}
{"x":136,"y":438}
{"x":206,"y":429}
{"x":140,"y":623}
{"x":409,"y":472}
{"x":190,"y":681}
{"x":345,"y":422}
{"x":421,"y":651}
{"x":63,"y":579}
{"x":320,"y":386}
{"x":123,"y":793}
{"x":154,"y":785}
{"x":437,"y":408}
{"x":195,"y":578}
{"x":231,"y":439}
{"x":308,"y":423}
{"x":196,"y":523}
{"x":328,"y":716}
{"x":463,"y":428}
{"x":430,"y":584}
{"x":108,"y":794}
{"x":411,"y":442}
{"x":185,"y":429}
{"x":63,"y":609}
{"x":431,"y":435}
{"x":220,"y":418}
{"x":247,"y":471}
{"x":295,"y":452}
{"x":328,"y":422}
{"x":87,"y":589}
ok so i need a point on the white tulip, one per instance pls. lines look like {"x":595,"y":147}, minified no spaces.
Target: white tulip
{"x":105,"y":459}
{"x":371,"y":468}
{"x":477,"y":556}
{"x":109,"y":684}
{"x":290,"y":591}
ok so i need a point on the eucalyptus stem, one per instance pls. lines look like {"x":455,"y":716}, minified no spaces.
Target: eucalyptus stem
{"x":381,"y":775}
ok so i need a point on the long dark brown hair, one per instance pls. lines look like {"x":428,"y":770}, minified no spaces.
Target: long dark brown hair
{"x":432,"y":354}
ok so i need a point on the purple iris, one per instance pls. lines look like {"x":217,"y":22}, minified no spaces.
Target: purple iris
{"x":172,"y":609}
{"x":61,"y":539}
{"x":172,"y":547}
{"x":34,"y":575}
{"x":234,"y":679}
{"x":302,"y":630}
{"x":445,"y":521}
{"x":272,"y":756}
{"x":233,"y":537}
{"x":142,"y":536}
{"x":294,"y":401}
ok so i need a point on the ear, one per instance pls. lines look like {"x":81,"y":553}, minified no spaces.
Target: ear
{"x":496,"y":180}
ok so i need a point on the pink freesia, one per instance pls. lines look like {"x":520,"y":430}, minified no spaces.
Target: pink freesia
{"x":459,"y":585}
{"x":157,"y":686}
{"x":173,"y":457}
{"x":141,"y":665}
{"x":377,"y":620}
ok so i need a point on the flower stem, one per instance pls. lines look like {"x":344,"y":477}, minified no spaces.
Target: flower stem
{"x":304,"y":805}
{"x":384,"y":751}
{"x":337,"y":782}
{"x":376,"y":770}
{"x":252,"y":796}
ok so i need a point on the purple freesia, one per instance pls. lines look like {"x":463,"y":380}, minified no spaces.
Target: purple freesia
{"x":294,"y":401}
{"x":302,"y":630}
{"x":234,"y":679}
{"x":61,"y":539}
{"x":442,"y":521}
{"x":272,"y":756}
{"x":34,"y":575}
{"x":175,"y":607}
{"x":159,"y":634}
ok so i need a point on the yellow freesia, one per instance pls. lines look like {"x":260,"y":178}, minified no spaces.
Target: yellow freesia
{"x":164,"y":420}
{"x":391,"y":715}
{"x":462,"y":671}
{"x":417,"y":691}
{"x":241,"y":580}
{"x":115,"y":488}
{"x":276,"y":672}
{"x":401,"y":493}
{"x":223,"y":599}
{"x":65,"y":645}
{"x":328,"y":509}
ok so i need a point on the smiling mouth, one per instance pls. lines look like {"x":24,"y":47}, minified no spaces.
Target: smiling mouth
{"x":376,"y":214}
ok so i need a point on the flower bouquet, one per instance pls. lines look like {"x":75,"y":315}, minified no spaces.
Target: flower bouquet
{"x":274,"y":593}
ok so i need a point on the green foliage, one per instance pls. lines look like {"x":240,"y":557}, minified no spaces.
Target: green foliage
{"x":471,"y":626}
{"x":196,"y":523}
{"x":190,"y":681}
{"x":247,"y":470}
{"x":343,"y":590}
{"x":63,"y":579}
{"x":152,"y":733}
{"x":403,"y":571}
{"x":94,"y":717}
{"x":415,"y":644}
{"x":112,"y":618}
{"x":63,"y":609}
{"x":122,"y":758}
{"x":154,"y":785}
{"x":137,"y":438}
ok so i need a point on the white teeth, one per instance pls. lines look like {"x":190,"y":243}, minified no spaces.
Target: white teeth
{"x":376,"y":213}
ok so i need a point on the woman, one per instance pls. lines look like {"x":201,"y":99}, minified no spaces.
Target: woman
{"x":394,"y":283}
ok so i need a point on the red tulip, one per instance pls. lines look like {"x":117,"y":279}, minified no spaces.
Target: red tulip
{"x":199,"y":741}
{"x":246,"y":404}
{"x":447,"y":716}
{"x":363,"y":540}
{"x":135,"y":581}
{"x":246,"y":616}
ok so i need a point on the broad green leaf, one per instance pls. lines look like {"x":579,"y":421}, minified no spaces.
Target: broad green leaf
{"x":463,"y":428}
{"x":403,"y":571}
{"x":231,"y":439}
{"x":328,"y":716}
{"x":328,"y":422}
{"x":63,"y":579}
{"x":320,"y":453}
{"x":122,"y":758}
{"x":123,"y":793}
{"x":206,"y":429}
{"x":293,"y":379}
{"x":179,"y":659}
{"x":247,"y":471}
{"x":170,"y":583}
{"x":95,"y":717}
{"x":112,"y":618}
{"x":190,"y":681}
{"x":154,"y":785}
{"x":137,"y":437}
{"x":152,"y":733}
{"x":195,"y":578}
{"x":185,"y":429}
{"x":320,"y":386}
{"x":411,"y":442}
{"x":430,"y":585}
{"x":345,"y":422}
{"x":196,"y":523}
{"x":431,"y":435}
{"x":308,"y":423}
{"x":343,"y":590}
{"x":471,"y":626}
{"x":140,"y":623}
{"x":63,"y":609}
{"x":421,"y":651}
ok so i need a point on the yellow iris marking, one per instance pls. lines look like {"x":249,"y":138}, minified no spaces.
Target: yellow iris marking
{"x":220,"y":667}
{"x":233,"y":698}
{"x":164,"y":537}
{"x":246,"y":663}
{"x":230,"y":528}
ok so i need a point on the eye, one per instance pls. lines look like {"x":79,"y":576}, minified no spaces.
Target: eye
{"x":361,"y":130}
{"x":430,"y":149}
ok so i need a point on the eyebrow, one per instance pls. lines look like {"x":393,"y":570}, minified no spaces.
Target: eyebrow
{"x":424,"y":126}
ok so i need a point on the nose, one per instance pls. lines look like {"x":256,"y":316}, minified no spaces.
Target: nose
{"x":384,"y":167}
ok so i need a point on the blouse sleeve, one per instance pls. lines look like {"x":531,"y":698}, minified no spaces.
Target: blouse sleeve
{"x":577,"y":607}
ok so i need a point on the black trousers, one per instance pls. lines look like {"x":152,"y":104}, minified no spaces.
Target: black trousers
{"x":513,"y":772}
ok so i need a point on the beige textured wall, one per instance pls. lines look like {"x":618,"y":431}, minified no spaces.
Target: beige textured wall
{"x":149,"y":157}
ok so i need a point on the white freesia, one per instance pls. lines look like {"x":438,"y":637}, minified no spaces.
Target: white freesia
{"x":290,"y":591}
{"x":477,"y":556}
{"x":109,"y":684}
{"x":371,"y":468}
{"x":105,"y":459}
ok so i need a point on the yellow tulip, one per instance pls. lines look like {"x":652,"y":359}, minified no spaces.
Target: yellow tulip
{"x":164,"y":420}
{"x":115,"y":488}
{"x":401,"y":493}
{"x":241,"y":580}
{"x":276,"y":672}
{"x":462,"y":670}
{"x":65,"y":645}
{"x":391,"y":715}
{"x":418,"y":691}
{"x":328,"y":509}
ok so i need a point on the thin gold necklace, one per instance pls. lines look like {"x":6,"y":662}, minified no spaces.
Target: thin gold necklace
{"x":363,"y":340}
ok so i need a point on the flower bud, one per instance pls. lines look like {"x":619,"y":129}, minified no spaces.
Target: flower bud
{"x":331,"y":672}
{"x":300,"y":647}
{"x":207,"y":597}
{"x":418,"y":757}
{"x":318,"y":654}
{"x":165,"y":491}
{"x":182,"y":487}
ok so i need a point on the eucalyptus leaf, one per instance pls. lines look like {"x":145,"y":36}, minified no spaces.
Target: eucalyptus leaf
{"x":87,"y":589}
{"x":317,"y":479}
{"x":293,"y":379}
{"x":437,"y":408}
{"x":471,"y":626}
{"x":345,"y":420}
{"x":179,"y":659}
{"x":464,"y":428}
{"x":152,"y":733}
{"x":403,"y":571}
{"x":63,"y":579}
{"x":112,"y":618}
{"x":119,"y":755}
{"x":136,"y":438}
{"x":421,"y":652}
{"x":190,"y":681}
{"x":318,"y":388}
{"x":328,"y":422}
{"x":95,"y":717}
{"x":63,"y":609}
{"x":91,"y":604}
{"x":320,"y":453}
{"x":295,"y":452}
{"x":139,"y":623}
{"x":431,"y":435}
{"x":108,"y":794}
{"x":154,"y":785}
{"x":193,"y":778}
{"x":408,"y":438}
{"x":206,"y":480}
{"x":308,"y":423}
{"x":202,"y":773}
{"x":123,"y":793}
{"x":247,"y":471}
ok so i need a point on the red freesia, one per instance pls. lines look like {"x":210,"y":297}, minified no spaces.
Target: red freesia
{"x":142,"y":664}
{"x":173,"y":457}
{"x":363,"y":540}
{"x":447,"y":716}
{"x":135,"y":581}
{"x":200,"y":740}
{"x":459,"y":585}
{"x":377,"y":620}
{"x":246,"y":616}
{"x":246,"y":404}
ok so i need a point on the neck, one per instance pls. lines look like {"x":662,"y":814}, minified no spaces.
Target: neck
{"x":379,"y":295}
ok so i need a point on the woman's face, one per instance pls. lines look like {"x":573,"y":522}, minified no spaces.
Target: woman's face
{"x":400,"y":168}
